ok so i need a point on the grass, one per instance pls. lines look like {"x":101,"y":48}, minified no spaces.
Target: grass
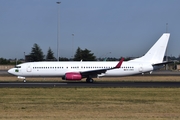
{"x":89,"y":103}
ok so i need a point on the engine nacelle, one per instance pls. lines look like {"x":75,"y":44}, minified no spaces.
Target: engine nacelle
{"x":72,"y":76}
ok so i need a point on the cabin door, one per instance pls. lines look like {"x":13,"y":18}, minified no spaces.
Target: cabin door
{"x":140,"y":67}
{"x":29,"y":69}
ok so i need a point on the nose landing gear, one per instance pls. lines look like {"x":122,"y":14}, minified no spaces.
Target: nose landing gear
{"x":24,"y":79}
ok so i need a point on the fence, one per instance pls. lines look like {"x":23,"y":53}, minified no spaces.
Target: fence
{"x":6,"y":67}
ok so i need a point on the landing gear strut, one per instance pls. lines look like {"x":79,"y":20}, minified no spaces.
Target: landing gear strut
{"x":24,"y":79}
{"x":89,"y":80}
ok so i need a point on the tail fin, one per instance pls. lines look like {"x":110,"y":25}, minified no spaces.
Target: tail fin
{"x":156,"y":54}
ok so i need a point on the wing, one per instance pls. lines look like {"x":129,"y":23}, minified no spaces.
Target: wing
{"x":99,"y":71}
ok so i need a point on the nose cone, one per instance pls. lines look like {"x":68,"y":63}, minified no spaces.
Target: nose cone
{"x":11,"y":71}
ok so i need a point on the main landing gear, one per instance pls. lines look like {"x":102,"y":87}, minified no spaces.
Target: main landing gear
{"x":89,"y":80}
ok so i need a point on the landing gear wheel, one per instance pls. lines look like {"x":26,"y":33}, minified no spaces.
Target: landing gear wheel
{"x":24,"y":80}
{"x":89,"y":80}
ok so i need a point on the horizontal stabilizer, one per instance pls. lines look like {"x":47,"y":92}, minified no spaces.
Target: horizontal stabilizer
{"x":163,"y":63}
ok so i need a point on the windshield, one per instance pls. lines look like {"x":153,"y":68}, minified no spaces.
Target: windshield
{"x":17,"y":66}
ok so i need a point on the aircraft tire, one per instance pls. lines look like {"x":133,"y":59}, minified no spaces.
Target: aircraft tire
{"x":89,"y":80}
{"x":24,"y":80}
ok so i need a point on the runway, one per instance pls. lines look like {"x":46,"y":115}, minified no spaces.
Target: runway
{"x":96,"y":84}
{"x":91,"y":85}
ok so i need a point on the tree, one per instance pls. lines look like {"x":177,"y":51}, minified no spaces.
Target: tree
{"x":78,"y":55}
{"x":84,"y":55}
{"x":4,"y":61}
{"x":63,"y":59}
{"x":36,"y":53}
{"x":50,"y":55}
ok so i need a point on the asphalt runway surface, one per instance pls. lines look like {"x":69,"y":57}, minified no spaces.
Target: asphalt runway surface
{"x":96,"y":84}
{"x":91,"y":85}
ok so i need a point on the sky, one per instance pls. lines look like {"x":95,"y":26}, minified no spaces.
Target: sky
{"x":109,"y":28}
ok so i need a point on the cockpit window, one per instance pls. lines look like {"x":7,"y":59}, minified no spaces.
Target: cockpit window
{"x":17,"y":66}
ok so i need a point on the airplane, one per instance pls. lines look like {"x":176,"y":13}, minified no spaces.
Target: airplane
{"x":77,"y":70}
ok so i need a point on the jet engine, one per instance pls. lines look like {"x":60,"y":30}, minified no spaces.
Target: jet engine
{"x":72,"y":76}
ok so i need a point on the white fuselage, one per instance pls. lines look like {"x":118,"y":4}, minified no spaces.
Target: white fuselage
{"x":59,"y":69}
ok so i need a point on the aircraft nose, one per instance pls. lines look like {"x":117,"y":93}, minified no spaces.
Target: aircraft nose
{"x":10,"y":71}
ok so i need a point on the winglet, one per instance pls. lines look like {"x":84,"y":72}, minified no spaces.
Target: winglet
{"x":120,"y":63}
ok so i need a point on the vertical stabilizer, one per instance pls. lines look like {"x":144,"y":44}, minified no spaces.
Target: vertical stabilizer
{"x":156,"y":53}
